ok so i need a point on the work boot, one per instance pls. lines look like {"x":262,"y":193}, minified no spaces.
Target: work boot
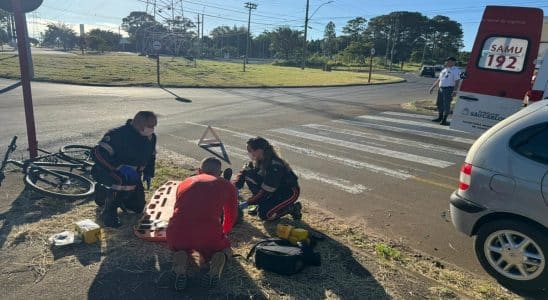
{"x":444,"y":121}
{"x":216,"y":267}
{"x":227,"y":174}
{"x":179,"y":269}
{"x":100,"y":195}
{"x":295,"y":211}
{"x":109,"y":215}
{"x":438,"y":119}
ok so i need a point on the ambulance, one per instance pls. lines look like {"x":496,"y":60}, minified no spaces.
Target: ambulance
{"x":511,"y":44}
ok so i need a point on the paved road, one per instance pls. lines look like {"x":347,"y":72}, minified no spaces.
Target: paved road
{"x":356,"y":153}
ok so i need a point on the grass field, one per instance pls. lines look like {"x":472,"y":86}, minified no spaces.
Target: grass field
{"x":125,"y":70}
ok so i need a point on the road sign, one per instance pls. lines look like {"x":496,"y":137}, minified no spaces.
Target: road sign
{"x":372,"y":51}
{"x":156,"y":45}
{"x":26,"y":5}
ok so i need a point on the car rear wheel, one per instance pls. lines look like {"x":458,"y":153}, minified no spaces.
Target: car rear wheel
{"x":514,"y":253}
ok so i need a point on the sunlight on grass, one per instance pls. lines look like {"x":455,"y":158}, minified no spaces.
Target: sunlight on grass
{"x":119,"y":70}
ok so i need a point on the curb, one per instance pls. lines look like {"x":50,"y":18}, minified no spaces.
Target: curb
{"x":213,"y":87}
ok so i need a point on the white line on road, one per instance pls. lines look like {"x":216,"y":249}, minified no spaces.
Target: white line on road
{"x":407,"y":122}
{"x":400,"y":114}
{"x":388,"y":139}
{"x":400,"y":174}
{"x":339,"y":183}
{"x":369,"y":149}
{"x":406,"y":130}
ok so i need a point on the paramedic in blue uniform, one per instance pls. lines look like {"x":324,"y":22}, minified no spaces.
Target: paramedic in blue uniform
{"x":124,"y":157}
{"x":271,"y":180}
{"x":448,"y":83}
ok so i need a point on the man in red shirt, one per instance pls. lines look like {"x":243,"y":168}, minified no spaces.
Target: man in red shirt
{"x":205,"y":211}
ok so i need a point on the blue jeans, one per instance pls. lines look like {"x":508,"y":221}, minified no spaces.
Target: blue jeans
{"x":445,"y":95}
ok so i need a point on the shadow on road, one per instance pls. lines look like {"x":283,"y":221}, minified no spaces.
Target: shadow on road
{"x":177,"y":97}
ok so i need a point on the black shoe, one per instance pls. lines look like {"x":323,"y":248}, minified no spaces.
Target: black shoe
{"x":110,"y":220}
{"x":109,"y":216}
{"x":227,"y":173}
{"x":438,"y":119}
{"x":295,"y":211}
{"x":444,"y":123}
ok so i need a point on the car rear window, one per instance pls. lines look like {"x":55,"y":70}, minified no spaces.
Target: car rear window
{"x":532,"y":142}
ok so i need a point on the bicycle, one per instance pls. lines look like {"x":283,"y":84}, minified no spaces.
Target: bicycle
{"x":42,"y":174}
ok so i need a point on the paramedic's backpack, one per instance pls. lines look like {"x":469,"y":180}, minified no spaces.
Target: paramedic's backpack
{"x":280,"y":256}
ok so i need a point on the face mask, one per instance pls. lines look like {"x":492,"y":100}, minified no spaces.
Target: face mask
{"x":250,"y":156}
{"x":147,"y":131}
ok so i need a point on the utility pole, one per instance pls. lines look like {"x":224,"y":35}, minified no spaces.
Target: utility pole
{"x":424,"y":50}
{"x":199,"y":39}
{"x":393,"y":45}
{"x":303,"y":62}
{"x":249,"y":6}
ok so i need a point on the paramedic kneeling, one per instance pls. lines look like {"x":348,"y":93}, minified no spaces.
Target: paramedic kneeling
{"x":205,"y":212}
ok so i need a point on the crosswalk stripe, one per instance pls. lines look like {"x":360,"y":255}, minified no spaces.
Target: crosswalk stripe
{"x":401,"y":114}
{"x":400,"y":174}
{"x":366,"y":148}
{"x":408,"y":122}
{"x":388,"y":139}
{"x":406,"y":130}
{"x":341,"y":184}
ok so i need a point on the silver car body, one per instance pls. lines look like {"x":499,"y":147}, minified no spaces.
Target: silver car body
{"x":503,"y":182}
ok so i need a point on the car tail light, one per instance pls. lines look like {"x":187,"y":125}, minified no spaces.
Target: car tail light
{"x":465,"y":176}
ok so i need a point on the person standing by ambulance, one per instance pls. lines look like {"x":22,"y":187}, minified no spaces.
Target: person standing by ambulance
{"x":449,"y":83}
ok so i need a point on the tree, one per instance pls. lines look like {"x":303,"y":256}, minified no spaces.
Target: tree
{"x":261,"y":45}
{"x":406,"y":33}
{"x":355,"y":28}
{"x":286,"y":42}
{"x":4,"y":36}
{"x":59,"y":36}
{"x":229,"y":40}
{"x":103,"y":40}
{"x":446,"y":37}
{"x":141,"y":26}
{"x":329,"y":44}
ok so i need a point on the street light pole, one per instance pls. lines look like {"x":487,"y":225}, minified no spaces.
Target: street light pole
{"x":249,"y":6}
{"x":306,"y":19}
{"x":303,"y":61}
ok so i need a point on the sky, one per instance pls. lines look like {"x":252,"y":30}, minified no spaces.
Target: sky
{"x":269,"y":14}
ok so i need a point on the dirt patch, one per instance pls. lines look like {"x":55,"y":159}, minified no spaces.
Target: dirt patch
{"x":423,"y":106}
{"x":356,"y":264}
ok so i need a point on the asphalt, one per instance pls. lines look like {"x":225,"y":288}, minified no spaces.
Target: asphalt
{"x":354,"y":151}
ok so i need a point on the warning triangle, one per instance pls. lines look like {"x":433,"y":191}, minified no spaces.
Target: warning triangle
{"x":209,"y":140}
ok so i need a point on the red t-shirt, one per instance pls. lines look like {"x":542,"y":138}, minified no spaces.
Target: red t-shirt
{"x":202,"y":202}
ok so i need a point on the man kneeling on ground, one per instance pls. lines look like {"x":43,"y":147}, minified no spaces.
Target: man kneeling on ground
{"x":205,"y":211}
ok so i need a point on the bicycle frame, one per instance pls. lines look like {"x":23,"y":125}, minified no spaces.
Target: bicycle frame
{"x":35,"y":163}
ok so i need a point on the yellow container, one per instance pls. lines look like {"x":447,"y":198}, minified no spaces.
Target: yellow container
{"x":89,"y":230}
{"x":299,"y":234}
{"x":283,"y":231}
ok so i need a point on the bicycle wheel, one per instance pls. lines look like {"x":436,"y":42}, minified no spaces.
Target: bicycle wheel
{"x":67,"y":186}
{"x":80,"y":153}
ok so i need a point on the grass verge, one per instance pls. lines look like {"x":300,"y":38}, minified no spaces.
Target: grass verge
{"x":132,"y":70}
{"x":356,"y":264}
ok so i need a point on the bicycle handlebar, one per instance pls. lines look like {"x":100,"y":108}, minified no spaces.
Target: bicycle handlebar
{"x":11,"y":148}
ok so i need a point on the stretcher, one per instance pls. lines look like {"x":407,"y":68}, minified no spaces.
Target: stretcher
{"x":153,"y":225}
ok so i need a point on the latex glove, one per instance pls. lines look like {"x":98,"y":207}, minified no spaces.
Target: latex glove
{"x":243,"y":205}
{"x":147,"y":180}
{"x":128,"y":173}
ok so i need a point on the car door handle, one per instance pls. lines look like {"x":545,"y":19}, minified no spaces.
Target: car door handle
{"x":468,"y":98}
